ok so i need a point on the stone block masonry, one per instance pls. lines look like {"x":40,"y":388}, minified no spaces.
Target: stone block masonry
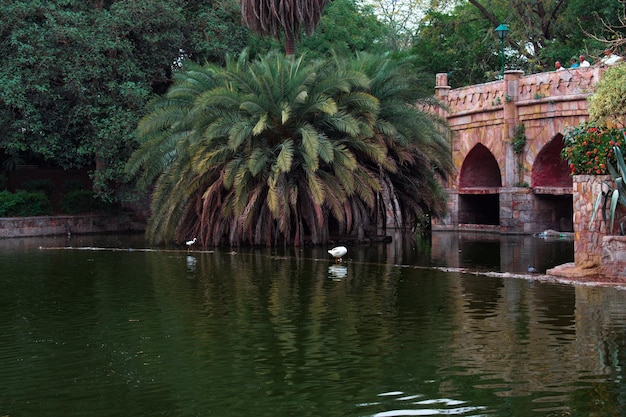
{"x":11,"y":227}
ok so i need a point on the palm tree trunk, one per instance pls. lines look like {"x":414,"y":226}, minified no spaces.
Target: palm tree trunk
{"x":290,"y":45}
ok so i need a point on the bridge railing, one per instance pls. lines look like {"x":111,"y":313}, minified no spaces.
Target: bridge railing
{"x":491,"y":96}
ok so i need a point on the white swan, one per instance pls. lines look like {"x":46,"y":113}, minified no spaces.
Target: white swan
{"x":338,"y":252}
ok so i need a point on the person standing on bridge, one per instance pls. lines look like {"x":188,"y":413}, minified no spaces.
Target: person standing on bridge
{"x":573,"y":63}
{"x":583,"y":62}
{"x":610,"y":58}
{"x":558,"y":66}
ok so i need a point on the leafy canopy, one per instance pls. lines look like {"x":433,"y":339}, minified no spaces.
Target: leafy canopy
{"x":282,"y":150}
{"x":77,"y":74}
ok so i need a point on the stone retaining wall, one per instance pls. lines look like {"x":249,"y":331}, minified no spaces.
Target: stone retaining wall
{"x":587,"y":241}
{"x":62,"y":225}
{"x":614,"y":256}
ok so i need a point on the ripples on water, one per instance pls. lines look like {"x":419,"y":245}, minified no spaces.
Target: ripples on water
{"x":269,"y":333}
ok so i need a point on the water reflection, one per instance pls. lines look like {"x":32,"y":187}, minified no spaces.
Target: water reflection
{"x":191,"y":263}
{"x":337,"y":272}
{"x":492,"y":252}
{"x":287,"y":332}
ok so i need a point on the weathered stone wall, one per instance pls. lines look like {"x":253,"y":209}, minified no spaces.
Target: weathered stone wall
{"x":516,"y":210}
{"x":546,"y":105}
{"x":485,"y":117}
{"x":521,"y":211}
{"x":587,"y":241}
{"x":613,"y":256}
{"x":487,"y":114}
{"x":61,"y":225}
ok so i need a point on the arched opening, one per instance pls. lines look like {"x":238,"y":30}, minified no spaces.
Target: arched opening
{"x":479,"y":184}
{"x":549,"y":169}
{"x":480,"y":169}
{"x":552,"y":186}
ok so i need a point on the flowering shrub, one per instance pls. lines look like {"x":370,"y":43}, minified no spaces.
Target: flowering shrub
{"x":588,"y":147}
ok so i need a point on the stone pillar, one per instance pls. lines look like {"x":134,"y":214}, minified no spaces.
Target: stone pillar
{"x":510,"y":96}
{"x":517,"y":210}
{"x":587,"y":240}
{"x":442,"y":88}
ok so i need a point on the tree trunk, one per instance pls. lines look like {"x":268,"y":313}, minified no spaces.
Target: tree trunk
{"x":290,"y":45}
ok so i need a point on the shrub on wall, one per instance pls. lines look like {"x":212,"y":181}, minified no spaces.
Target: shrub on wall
{"x":608,"y":103}
{"x":24,"y":203}
{"x":588,"y":147}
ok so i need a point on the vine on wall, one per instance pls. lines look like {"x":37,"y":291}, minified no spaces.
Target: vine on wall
{"x":519,"y":143}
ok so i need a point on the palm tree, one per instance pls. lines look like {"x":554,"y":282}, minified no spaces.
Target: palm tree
{"x":283,"y":151}
{"x":417,"y":141}
{"x":291,"y":17}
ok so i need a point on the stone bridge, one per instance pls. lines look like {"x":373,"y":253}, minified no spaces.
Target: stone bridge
{"x":496,"y":188}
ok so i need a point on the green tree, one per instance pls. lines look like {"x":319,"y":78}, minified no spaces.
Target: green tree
{"x":282,"y":151}
{"x":462,"y":41}
{"x":545,"y":31}
{"x":402,"y":17}
{"x":76,"y":75}
{"x":459,"y":44}
{"x":346,"y":28}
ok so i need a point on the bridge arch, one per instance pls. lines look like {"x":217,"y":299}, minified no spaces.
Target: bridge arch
{"x":551,"y":183}
{"x":549,"y":169}
{"x":480,"y":180}
{"x":495,"y":184}
{"x":480,"y":169}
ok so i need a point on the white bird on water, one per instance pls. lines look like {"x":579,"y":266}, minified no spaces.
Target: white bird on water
{"x":338,"y":252}
{"x":190,"y":243}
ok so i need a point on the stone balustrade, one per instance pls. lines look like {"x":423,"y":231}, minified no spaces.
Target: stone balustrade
{"x":547,"y":85}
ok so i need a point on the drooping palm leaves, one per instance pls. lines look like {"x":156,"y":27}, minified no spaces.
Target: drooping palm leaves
{"x":284,"y":151}
{"x":418,"y":155}
{"x":274,"y":17}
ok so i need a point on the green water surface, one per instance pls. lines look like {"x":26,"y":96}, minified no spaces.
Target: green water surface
{"x":396,"y":330}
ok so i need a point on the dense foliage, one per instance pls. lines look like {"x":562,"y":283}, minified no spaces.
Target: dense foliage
{"x":588,"y":147}
{"x":462,"y":42}
{"x":279,"y":150}
{"x":24,"y":203}
{"x":608,"y":103}
{"x":458,"y":44}
{"x":76,"y":74}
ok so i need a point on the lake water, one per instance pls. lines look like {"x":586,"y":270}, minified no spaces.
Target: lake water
{"x":443,"y":326}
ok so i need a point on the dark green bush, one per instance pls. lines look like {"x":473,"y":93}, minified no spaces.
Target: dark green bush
{"x":44,"y":185}
{"x":82,"y":201}
{"x":24,"y":204}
